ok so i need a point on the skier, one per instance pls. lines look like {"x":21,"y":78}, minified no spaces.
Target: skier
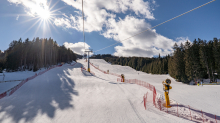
{"x":201,"y":82}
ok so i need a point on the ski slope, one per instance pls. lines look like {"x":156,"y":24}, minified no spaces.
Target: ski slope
{"x":68,"y":95}
{"x":11,"y":76}
{"x":204,"y":97}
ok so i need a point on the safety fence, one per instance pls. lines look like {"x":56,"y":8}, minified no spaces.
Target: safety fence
{"x":105,"y":71}
{"x":186,"y":112}
{"x":73,"y":64}
{"x":82,"y":68}
{"x":179,"y":110}
{"x":141,"y":83}
{"x":15,"y":88}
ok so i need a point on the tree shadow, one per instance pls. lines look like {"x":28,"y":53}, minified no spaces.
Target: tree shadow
{"x":101,"y":78}
{"x":43,"y":95}
{"x":113,"y":83}
{"x":116,"y":83}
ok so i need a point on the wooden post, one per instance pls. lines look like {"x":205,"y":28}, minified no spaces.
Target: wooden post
{"x":202,"y":116}
{"x":190,"y":113}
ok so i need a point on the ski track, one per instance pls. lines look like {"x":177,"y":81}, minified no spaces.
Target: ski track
{"x":67,"y":95}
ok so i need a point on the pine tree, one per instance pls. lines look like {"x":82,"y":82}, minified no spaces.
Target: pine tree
{"x":178,"y":63}
{"x":35,"y":54}
{"x":188,"y":61}
{"x":204,"y":56}
{"x":216,"y":55}
{"x":195,"y":60}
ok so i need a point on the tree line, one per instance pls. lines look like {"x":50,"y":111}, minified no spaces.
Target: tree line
{"x":34,"y":54}
{"x":148,"y":65}
{"x":195,"y":60}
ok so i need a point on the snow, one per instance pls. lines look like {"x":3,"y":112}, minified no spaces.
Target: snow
{"x":10,"y":76}
{"x":204,"y":97}
{"x":68,"y":95}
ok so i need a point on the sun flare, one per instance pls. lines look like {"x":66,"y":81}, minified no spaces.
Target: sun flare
{"x":45,"y":14}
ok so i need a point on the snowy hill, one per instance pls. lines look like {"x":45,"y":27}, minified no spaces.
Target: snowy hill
{"x":201,"y":97}
{"x":112,"y":68}
{"x":11,"y":76}
{"x":68,"y":95}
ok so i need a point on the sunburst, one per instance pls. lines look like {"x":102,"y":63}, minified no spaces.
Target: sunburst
{"x":43,"y":16}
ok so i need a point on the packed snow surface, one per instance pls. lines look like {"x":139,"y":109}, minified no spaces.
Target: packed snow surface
{"x":204,"y":97}
{"x":68,"y":95}
{"x":11,"y":76}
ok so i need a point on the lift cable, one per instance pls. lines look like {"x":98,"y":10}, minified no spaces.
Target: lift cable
{"x":156,"y":25}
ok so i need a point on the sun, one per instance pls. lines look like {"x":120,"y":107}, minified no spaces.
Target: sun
{"x":44,"y":14}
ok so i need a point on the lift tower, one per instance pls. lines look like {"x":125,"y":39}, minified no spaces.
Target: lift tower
{"x":88,"y":50}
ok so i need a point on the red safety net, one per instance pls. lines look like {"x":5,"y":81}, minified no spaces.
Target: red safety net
{"x":105,"y":72}
{"x":179,"y":110}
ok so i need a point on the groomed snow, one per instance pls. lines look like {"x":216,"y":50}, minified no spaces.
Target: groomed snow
{"x":10,"y":76}
{"x":67,"y":95}
{"x":205,"y":98}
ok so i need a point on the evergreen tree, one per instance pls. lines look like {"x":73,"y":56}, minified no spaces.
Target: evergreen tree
{"x":35,"y":54}
{"x":188,"y":61}
{"x":216,"y":55}
{"x":191,"y":61}
{"x":204,"y":56}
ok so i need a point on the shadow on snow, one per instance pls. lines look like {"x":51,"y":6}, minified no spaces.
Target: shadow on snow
{"x":44,"y":94}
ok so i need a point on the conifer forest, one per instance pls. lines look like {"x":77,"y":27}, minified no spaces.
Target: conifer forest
{"x":34,"y":54}
{"x":195,"y":60}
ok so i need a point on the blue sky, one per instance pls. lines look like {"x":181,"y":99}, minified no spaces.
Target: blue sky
{"x":108,"y":22}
